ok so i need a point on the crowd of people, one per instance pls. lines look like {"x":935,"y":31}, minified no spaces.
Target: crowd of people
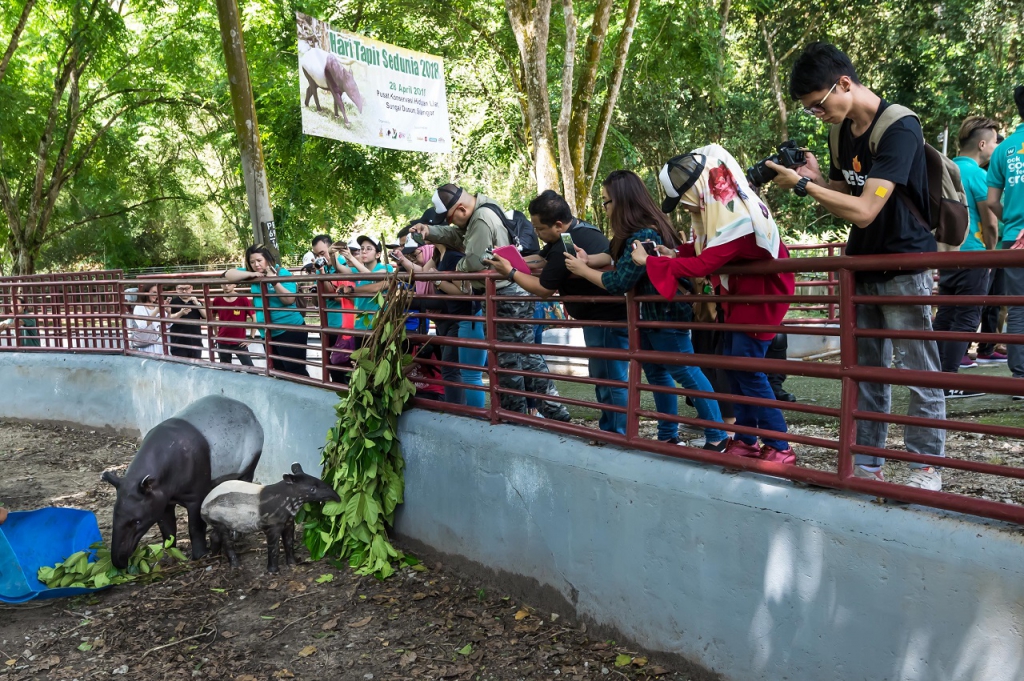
{"x":878,"y":180}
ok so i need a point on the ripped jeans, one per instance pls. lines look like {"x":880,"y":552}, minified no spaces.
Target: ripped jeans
{"x":904,"y":354}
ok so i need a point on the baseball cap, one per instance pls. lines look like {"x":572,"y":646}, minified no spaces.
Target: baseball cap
{"x":362,"y":238}
{"x":445,"y":197}
{"x":677,"y":176}
{"x":429,"y":217}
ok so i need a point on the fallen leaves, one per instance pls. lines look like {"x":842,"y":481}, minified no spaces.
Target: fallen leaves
{"x":307,"y":651}
{"x":360,"y":623}
{"x":522,"y":614}
{"x":419,"y":596}
{"x":407,"y":659}
{"x":324,"y":578}
{"x":330,"y":624}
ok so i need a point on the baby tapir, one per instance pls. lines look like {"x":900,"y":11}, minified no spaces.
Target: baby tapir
{"x":244,"y":507}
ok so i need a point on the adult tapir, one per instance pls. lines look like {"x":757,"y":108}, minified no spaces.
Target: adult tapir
{"x":212,"y":440}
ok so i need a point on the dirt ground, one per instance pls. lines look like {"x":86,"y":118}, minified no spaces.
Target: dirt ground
{"x":206,"y":620}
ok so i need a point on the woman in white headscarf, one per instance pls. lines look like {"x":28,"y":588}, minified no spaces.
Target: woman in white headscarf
{"x":730,"y":226}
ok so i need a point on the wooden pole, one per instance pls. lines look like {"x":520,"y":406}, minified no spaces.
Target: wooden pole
{"x":246,"y":127}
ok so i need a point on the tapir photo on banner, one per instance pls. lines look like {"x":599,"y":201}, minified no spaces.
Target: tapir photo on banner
{"x":357,"y":89}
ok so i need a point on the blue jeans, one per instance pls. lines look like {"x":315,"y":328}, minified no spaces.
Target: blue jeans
{"x":474,"y":330}
{"x":753,"y":384}
{"x":615,"y":370}
{"x":674,"y":340}
{"x":905,"y":354}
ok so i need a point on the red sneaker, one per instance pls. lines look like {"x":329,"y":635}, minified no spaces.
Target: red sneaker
{"x":740,"y":448}
{"x":786,"y":456}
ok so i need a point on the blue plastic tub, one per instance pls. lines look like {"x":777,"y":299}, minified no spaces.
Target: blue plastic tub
{"x":30,"y":540}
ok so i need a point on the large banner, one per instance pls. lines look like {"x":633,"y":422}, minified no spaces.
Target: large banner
{"x":357,"y":89}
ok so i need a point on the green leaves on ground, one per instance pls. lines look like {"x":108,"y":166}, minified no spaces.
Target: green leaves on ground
{"x":77,"y":571}
{"x":362,"y":459}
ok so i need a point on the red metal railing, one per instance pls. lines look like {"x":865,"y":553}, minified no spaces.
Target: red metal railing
{"x":90,"y":313}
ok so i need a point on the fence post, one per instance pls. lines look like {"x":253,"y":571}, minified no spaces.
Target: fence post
{"x":831,"y":286}
{"x":325,"y":350}
{"x":848,"y":360}
{"x":209,"y":324}
{"x":66,"y":315}
{"x":123,"y":316}
{"x":265,"y":305}
{"x":160,"y":315}
{"x":491,"y":333}
{"x":633,"y":387}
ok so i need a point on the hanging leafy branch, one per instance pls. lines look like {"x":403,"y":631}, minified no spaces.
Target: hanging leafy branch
{"x":362,"y":459}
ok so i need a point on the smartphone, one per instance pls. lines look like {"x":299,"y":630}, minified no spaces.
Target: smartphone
{"x":650,"y":247}
{"x":417,"y":237}
{"x":488,"y":255}
{"x":570,"y":247}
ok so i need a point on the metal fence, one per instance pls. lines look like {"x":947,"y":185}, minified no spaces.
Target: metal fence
{"x":92,"y":313}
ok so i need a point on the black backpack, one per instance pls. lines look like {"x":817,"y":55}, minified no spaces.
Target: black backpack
{"x":521,"y":233}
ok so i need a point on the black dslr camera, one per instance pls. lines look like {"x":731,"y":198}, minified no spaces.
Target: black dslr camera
{"x":789,"y":156}
{"x":311,"y":267}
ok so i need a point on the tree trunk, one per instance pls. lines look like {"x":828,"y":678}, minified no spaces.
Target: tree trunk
{"x":531,"y":26}
{"x":776,"y":81}
{"x":583,"y":95}
{"x":564,"y":147}
{"x":13,"y":45}
{"x":604,"y":122}
{"x":246,"y":125}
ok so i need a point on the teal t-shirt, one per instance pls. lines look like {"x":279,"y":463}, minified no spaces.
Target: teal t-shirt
{"x":976,"y":188}
{"x":289,"y":315}
{"x":1006,"y":172}
{"x":368,"y":304}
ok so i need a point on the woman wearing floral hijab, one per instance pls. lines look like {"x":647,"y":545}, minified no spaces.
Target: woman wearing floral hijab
{"x":730,"y":226}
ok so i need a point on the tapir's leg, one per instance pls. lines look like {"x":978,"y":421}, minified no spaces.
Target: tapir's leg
{"x":273,"y":547}
{"x":216,"y":541}
{"x":196,"y":530}
{"x":288,"y":535}
{"x":311,"y":90}
{"x":168,"y":524}
{"x":250,"y":471}
{"x":229,"y":548}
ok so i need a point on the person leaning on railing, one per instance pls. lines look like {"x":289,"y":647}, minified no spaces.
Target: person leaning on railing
{"x":446,"y":259}
{"x":730,"y":225}
{"x":883,"y":190}
{"x":328,"y":258}
{"x":635,"y":220}
{"x":364,"y":257}
{"x":552,"y":218}
{"x":260,"y":263}
{"x":28,"y":334}
{"x":474,"y":227}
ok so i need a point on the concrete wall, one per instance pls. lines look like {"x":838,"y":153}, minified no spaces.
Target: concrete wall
{"x":749,"y":576}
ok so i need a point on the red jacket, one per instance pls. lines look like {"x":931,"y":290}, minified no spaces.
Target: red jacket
{"x":665,"y":272}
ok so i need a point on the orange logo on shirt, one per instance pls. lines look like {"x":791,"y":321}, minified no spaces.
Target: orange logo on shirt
{"x":856,"y":164}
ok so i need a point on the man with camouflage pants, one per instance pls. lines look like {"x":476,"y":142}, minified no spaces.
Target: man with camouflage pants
{"x":474,"y":231}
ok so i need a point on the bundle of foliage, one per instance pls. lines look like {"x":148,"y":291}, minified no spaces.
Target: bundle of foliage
{"x":78,"y":571}
{"x":362,"y":459}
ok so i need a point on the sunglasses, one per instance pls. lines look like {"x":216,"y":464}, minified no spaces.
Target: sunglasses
{"x":819,"y":108}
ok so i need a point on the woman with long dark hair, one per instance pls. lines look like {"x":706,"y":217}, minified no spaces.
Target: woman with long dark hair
{"x":636,"y":219}
{"x":260,"y":263}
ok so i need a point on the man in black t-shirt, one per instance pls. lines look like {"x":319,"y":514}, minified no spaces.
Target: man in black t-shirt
{"x":186,"y":339}
{"x":551,"y":219}
{"x":878,"y":190}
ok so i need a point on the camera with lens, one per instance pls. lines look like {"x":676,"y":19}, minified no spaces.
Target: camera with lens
{"x":789,"y":156}
{"x":318,"y":264}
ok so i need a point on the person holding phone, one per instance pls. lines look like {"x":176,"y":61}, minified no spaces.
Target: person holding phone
{"x":635,"y":218}
{"x":186,"y":340}
{"x":562,"y":233}
{"x":259,"y":264}
{"x":730,"y":225}
{"x":232,"y":340}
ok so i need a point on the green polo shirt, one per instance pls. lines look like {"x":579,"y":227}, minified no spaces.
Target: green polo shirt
{"x":1006,"y":172}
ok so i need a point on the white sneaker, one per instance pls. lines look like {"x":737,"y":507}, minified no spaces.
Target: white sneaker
{"x":925,"y":478}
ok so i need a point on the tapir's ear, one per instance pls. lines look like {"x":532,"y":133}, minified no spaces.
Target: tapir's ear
{"x":146,"y":486}
{"x":296,"y":469}
{"x":290,"y":479}
{"x":111,"y":477}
